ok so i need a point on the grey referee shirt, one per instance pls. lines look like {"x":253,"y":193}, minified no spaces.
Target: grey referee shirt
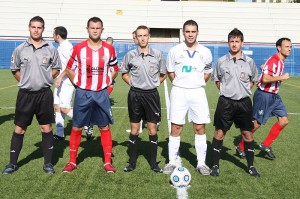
{"x":35,"y":65}
{"x":144,"y":69}
{"x":235,"y":76}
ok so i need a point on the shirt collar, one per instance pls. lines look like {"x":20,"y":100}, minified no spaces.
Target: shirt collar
{"x":230,"y":57}
{"x":42,"y":44}
{"x":150,"y":51}
{"x":185,"y":48}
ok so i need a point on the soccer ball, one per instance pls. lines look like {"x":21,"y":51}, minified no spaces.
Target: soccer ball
{"x":180,"y":177}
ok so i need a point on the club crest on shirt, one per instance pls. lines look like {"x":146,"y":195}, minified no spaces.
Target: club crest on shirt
{"x":45,"y":60}
{"x":260,"y":112}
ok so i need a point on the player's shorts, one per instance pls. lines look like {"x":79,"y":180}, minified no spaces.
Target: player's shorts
{"x":191,"y":101}
{"x":144,"y":104}
{"x":63,"y":95}
{"x":266,"y":105}
{"x":92,"y":108}
{"x":231,"y":111}
{"x":38,"y":103}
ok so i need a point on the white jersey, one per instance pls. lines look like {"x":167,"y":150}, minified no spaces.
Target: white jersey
{"x":65,"y":49}
{"x":189,"y":67}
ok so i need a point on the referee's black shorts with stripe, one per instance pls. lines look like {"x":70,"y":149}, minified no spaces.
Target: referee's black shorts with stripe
{"x":144,"y":104}
{"x":231,"y":111}
{"x":30,"y":103}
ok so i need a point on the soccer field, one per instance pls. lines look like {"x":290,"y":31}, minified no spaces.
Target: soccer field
{"x":279,"y":177}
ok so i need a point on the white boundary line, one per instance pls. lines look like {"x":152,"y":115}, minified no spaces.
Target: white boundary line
{"x":167,"y":99}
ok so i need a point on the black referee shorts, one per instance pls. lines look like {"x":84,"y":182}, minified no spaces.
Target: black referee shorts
{"x":231,"y":111}
{"x":38,"y":103}
{"x":144,"y":104}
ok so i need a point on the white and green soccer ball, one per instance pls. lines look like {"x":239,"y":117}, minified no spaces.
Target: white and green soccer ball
{"x":180,"y":177}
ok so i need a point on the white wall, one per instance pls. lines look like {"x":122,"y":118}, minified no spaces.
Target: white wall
{"x":260,"y":22}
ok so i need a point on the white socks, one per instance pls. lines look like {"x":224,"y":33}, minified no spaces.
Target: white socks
{"x":70,"y":113}
{"x":59,"y":122}
{"x":174,"y":144}
{"x":201,"y":148}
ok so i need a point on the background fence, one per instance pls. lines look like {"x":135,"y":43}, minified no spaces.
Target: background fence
{"x":259,"y":52}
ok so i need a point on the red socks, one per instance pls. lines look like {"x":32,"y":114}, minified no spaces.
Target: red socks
{"x":274,"y":132}
{"x":106,"y":141}
{"x":75,"y":139}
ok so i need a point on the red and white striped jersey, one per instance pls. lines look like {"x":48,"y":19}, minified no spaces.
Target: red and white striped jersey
{"x":93,"y":67}
{"x":273,"y":67}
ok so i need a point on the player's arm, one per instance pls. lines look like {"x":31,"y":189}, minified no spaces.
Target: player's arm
{"x":162,"y":77}
{"x":55,"y":73}
{"x":270,"y":79}
{"x":59,"y":78}
{"x":218,"y":84}
{"x":126,"y":78}
{"x":70,"y":74}
{"x":171,"y":76}
{"x":207,"y":76}
{"x":16,"y":74}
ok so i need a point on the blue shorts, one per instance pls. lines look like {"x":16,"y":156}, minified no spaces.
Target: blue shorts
{"x":266,"y":105}
{"x":92,"y":108}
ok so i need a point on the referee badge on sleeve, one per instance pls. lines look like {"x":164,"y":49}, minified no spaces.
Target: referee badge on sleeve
{"x":12,"y":60}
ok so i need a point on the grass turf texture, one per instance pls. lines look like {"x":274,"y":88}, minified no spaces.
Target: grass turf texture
{"x":279,"y":177}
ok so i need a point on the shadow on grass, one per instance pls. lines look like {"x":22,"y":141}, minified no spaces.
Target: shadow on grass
{"x":5,"y":118}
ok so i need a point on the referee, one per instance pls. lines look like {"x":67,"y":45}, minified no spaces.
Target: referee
{"x":147,"y":70}
{"x":34,"y":64}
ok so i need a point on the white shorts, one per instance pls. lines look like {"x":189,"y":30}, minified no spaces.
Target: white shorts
{"x":193,"y":101}
{"x":63,"y":95}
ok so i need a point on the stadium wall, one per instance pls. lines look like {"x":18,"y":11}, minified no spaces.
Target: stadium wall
{"x":260,"y":53}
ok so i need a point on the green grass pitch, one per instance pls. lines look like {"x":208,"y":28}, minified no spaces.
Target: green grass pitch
{"x":279,"y":177}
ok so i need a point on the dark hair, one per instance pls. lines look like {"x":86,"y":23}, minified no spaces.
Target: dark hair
{"x":236,"y":33}
{"x":95,"y":20}
{"x":142,"y":27}
{"x":61,"y":31}
{"x":38,"y":19}
{"x":279,"y":41}
{"x":191,"y":23}
{"x":110,"y":39}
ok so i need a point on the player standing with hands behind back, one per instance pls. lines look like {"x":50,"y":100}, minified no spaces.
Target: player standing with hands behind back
{"x":189,"y":68}
{"x":34,"y":64}
{"x":234,"y":75}
{"x":89,"y":68}
{"x":147,"y":70}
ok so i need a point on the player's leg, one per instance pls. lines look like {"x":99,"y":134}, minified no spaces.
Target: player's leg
{"x":102,"y":116}
{"x":59,"y":116}
{"x":178,"y":110}
{"x":199,"y":114}
{"x":45,"y":117}
{"x":279,"y":110}
{"x":81,"y":117}
{"x":243,"y":120}
{"x":223,"y":120}
{"x":135,"y":112}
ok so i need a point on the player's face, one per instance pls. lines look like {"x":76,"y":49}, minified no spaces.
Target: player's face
{"x":142,"y":36}
{"x":36,"y":30}
{"x":285,"y":48}
{"x":95,"y":30}
{"x":235,"y":45}
{"x":190,"y":34}
{"x":55,"y":37}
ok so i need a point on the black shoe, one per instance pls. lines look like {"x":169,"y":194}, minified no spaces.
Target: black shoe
{"x":56,"y":137}
{"x":215,"y":170}
{"x":267,"y":150}
{"x":10,"y":168}
{"x":130,"y":167}
{"x":156,"y":168}
{"x":253,"y":172}
{"x":89,"y":130}
{"x":48,"y":168}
